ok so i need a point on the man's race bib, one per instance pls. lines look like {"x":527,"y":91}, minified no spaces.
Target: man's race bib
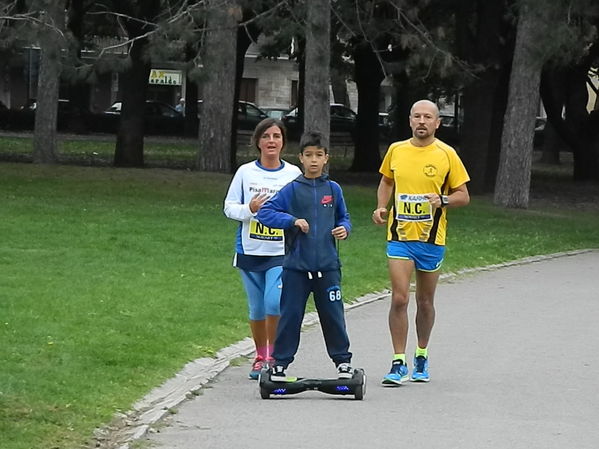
{"x":412,"y":208}
{"x":260,"y":232}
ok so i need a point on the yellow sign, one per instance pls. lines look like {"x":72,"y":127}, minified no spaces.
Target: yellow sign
{"x":165,"y":77}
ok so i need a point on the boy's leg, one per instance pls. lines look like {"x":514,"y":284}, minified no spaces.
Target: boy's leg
{"x":329,"y":305}
{"x":296,"y":288}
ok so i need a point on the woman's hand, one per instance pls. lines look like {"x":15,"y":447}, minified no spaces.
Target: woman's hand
{"x":258,"y":201}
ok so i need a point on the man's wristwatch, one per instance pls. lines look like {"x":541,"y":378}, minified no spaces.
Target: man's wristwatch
{"x":444,"y":200}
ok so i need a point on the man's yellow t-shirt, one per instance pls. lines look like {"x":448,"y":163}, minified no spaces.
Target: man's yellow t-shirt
{"x":417,"y":171}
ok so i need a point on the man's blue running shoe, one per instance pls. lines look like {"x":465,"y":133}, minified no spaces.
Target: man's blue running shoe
{"x":420,"y":371}
{"x":398,"y":373}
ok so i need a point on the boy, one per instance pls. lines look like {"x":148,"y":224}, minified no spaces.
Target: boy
{"x":312,"y":212}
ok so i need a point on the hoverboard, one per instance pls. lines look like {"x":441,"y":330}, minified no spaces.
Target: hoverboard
{"x":356,"y":385}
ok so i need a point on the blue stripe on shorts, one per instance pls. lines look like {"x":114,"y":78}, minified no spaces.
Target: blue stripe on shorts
{"x":426,"y":256}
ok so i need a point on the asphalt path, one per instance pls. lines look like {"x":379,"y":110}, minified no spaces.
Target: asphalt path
{"x":514,"y":363}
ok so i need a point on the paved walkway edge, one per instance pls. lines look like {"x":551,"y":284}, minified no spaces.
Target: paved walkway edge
{"x":133,"y":425}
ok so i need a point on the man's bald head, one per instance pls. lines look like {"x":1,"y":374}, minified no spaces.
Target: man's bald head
{"x":427,"y":104}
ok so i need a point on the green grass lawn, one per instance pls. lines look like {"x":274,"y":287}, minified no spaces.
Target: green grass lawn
{"x":112,"y":279}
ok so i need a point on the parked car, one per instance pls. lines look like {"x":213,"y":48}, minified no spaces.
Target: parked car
{"x":275,"y":112}
{"x":70,"y":118}
{"x":153,"y":108}
{"x":160,"y":118}
{"x":248,"y":115}
{"x":343,"y":121}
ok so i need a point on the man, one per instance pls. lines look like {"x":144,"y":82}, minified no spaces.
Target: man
{"x":181,"y":106}
{"x":426,"y":177}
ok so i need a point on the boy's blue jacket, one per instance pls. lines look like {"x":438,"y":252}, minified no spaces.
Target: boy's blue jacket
{"x":320,"y":202}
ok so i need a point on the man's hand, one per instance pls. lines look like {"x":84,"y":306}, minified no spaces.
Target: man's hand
{"x":258,"y":201}
{"x":340,"y":233}
{"x":302,"y":224}
{"x":379,"y":216}
{"x":434,"y":199}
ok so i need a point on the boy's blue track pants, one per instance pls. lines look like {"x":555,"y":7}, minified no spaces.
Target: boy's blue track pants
{"x":326,"y":287}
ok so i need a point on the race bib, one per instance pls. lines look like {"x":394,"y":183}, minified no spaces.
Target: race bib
{"x":412,"y":208}
{"x":260,"y":232}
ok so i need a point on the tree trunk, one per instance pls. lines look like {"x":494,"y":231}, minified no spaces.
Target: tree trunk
{"x":565,"y":90}
{"x":219,"y":55}
{"x":481,"y":35}
{"x":586,"y":165}
{"x":129,"y":150}
{"x":405,"y":95}
{"x":551,"y":145}
{"x":369,"y":75}
{"x":318,"y":42}
{"x":339,"y":87}
{"x":245,"y":36}
{"x":513,"y":179}
{"x":46,"y":113}
{"x":191,"y":126}
{"x":479,"y":123}
{"x":79,"y":89}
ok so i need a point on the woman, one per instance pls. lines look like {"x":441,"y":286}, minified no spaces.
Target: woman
{"x":260,"y":249}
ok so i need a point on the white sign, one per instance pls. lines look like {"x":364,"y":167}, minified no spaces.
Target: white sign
{"x":165,"y":77}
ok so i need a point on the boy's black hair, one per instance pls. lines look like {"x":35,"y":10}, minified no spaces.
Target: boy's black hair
{"x":313,"y":139}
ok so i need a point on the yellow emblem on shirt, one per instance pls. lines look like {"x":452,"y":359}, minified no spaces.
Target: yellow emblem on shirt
{"x":258,"y":231}
{"x":413,"y":208}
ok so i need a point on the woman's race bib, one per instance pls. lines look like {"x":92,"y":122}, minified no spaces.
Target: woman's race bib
{"x":260,"y":232}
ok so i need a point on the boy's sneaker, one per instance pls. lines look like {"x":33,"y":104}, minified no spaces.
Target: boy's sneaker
{"x":277,"y":374}
{"x":257,"y":366}
{"x":344,"y":371}
{"x":397,"y":374}
{"x":420,"y":371}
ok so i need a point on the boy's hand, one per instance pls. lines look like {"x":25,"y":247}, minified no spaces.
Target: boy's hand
{"x":340,"y":233}
{"x":258,"y":201}
{"x":302,"y":224}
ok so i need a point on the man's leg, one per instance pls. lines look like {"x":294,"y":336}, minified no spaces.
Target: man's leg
{"x":426,"y":284}
{"x":400,"y":273}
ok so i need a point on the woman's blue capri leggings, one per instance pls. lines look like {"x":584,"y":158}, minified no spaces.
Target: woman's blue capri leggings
{"x":263,"y":290}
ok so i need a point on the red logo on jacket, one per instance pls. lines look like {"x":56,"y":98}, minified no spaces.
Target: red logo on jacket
{"x":327,"y":199}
